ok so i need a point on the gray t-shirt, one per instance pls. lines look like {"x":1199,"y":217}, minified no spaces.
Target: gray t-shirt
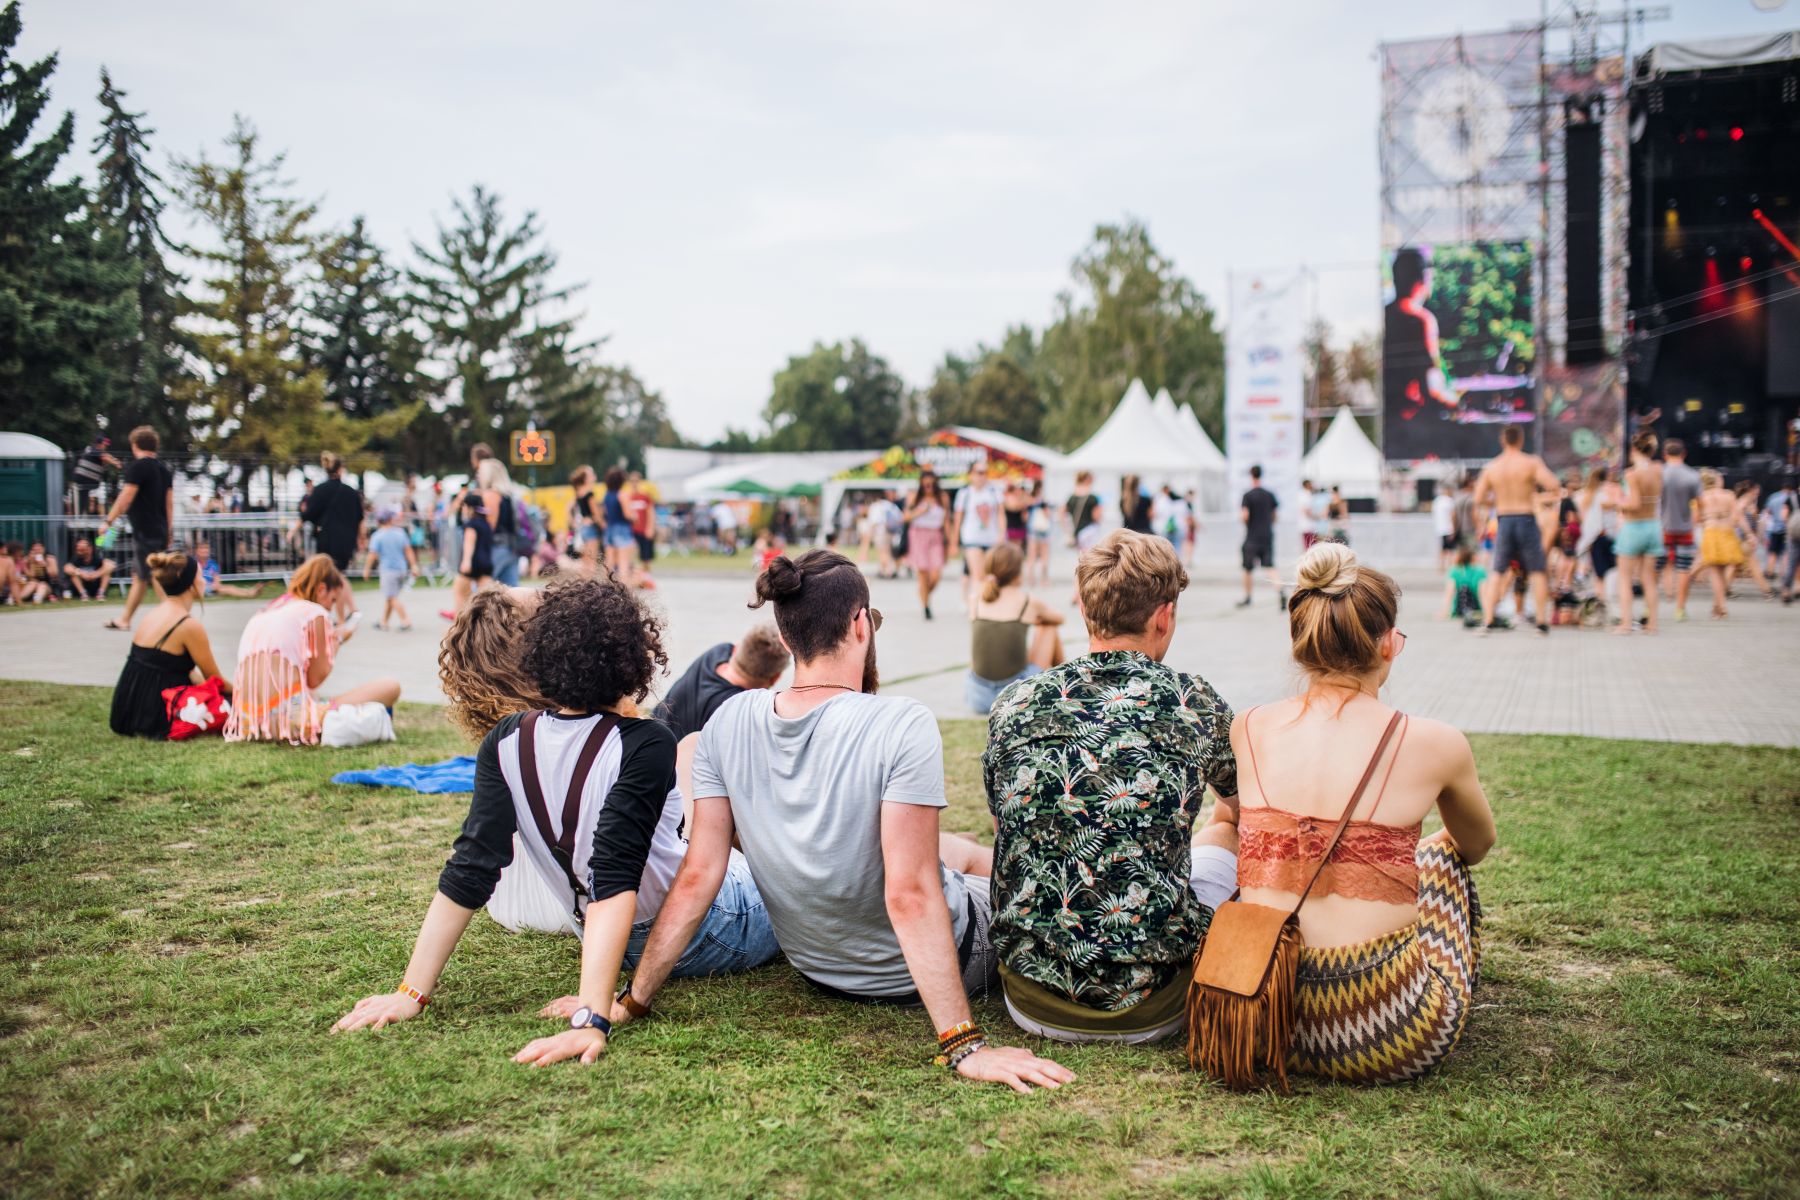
{"x":806,"y":796}
{"x":1681,"y":487}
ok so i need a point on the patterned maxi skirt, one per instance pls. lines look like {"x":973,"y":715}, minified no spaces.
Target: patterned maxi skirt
{"x":1391,"y":1009}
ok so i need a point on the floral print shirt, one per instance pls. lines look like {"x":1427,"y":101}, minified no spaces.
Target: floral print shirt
{"x":1095,"y":771}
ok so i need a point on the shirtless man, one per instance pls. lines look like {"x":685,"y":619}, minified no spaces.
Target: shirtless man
{"x":1512,"y":481}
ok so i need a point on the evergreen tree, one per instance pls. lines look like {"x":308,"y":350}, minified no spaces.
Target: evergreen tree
{"x":148,"y":360}
{"x":502,"y":328}
{"x":357,"y":335}
{"x":63,"y":299}
{"x":259,"y":397}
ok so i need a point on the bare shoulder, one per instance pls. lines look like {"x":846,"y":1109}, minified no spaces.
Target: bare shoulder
{"x":1438,"y":741}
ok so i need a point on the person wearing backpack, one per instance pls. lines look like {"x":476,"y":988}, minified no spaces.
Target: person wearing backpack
{"x":1353,"y":948}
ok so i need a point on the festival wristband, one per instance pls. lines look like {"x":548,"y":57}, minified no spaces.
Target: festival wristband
{"x":418,"y":997}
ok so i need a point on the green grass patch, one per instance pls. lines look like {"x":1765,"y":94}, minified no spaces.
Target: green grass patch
{"x":179,"y":925}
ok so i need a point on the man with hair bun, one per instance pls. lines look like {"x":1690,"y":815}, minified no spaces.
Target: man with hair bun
{"x":1096,"y":773}
{"x":834,"y":794}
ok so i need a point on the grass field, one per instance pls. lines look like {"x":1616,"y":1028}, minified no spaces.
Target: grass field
{"x":180,"y":924}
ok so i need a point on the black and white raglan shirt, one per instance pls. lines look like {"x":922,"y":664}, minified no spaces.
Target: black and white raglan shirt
{"x":629,"y":828}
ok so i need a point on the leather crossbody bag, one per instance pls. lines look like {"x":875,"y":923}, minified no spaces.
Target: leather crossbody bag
{"x":1240,"y":1006}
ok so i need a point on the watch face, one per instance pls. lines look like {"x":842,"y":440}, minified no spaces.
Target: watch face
{"x":582,"y":1016}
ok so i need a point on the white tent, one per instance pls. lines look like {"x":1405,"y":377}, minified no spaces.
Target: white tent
{"x":1211,"y":460}
{"x":1156,"y":446}
{"x":1345,"y":457}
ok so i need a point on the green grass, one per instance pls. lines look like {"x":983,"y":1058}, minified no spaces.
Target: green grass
{"x":179,"y":924}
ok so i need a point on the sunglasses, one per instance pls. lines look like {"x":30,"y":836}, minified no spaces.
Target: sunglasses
{"x":874,"y":619}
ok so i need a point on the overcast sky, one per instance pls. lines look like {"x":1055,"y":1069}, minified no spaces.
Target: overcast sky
{"x":735,"y":181}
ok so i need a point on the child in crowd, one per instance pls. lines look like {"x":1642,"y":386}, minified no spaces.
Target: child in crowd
{"x":766,"y":549}
{"x":390,"y":547}
{"x":209,"y":578}
{"x":1462,"y":589}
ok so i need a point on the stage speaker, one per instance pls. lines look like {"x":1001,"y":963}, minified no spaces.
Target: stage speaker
{"x":1581,"y":151}
{"x":1784,"y":344}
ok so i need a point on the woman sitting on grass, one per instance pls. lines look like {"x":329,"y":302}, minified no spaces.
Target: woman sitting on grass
{"x":1012,"y":634}
{"x":285,"y":656}
{"x":169,"y":649}
{"x":590,"y":791}
{"x":1392,"y":928}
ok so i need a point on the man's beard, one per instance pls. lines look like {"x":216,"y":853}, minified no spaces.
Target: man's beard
{"x":871,"y":682}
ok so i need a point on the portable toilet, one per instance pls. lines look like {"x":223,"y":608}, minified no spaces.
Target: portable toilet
{"x":31,"y":490}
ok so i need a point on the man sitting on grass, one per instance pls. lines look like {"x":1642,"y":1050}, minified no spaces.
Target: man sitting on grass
{"x":1095,"y":772}
{"x":834,"y":794}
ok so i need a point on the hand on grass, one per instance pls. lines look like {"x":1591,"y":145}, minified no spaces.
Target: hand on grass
{"x":373,"y":1012}
{"x":589,"y":1044}
{"x":562,"y":1008}
{"x":1017,"y":1068}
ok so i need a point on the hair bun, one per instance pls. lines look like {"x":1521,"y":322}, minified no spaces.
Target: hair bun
{"x":1328,"y":568}
{"x":780,"y":580}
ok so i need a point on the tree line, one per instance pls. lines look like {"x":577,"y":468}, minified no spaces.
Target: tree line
{"x":270,"y":336}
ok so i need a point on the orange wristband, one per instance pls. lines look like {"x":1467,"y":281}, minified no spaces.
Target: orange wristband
{"x":418,"y":997}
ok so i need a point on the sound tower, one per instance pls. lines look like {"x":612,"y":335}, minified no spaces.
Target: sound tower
{"x":1581,"y":170}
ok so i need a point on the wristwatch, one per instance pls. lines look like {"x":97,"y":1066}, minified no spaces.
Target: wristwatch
{"x":630,"y":1004}
{"x":587,"y":1018}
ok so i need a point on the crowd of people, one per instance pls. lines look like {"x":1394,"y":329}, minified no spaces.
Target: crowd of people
{"x":737,"y":824}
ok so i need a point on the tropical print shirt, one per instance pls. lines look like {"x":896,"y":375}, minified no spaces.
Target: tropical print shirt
{"x":1095,"y":771}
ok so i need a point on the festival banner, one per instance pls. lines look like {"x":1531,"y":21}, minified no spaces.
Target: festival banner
{"x":1458,"y":351}
{"x":1584,"y":417}
{"x":1265,"y":384}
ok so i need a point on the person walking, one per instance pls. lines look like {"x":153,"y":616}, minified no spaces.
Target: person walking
{"x":1509,"y":486}
{"x":1599,"y":505}
{"x":147,"y":496}
{"x":1443,"y":523}
{"x":1716,"y":509}
{"x":475,"y":567}
{"x":1082,"y":512}
{"x":1256,"y":511}
{"x":335,"y":511}
{"x":980,"y":525}
{"x":1640,"y":541}
{"x":1680,"y":492}
{"x":926,"y":514}
{"x":500,"y":497}
{"x":392,"y":550}
{"x":1135,"y":505}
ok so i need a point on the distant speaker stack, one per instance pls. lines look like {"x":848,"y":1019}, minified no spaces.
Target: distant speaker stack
{"x":1581,"y":148}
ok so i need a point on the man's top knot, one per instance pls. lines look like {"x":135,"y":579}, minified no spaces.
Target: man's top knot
{"x":781,"y":580}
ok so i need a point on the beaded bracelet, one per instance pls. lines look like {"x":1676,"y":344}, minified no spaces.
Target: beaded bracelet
{"x":954,"y":1040}
{"x":957,"y":1030}
{"x":964,"y":1051}
{"x":418,"y":997}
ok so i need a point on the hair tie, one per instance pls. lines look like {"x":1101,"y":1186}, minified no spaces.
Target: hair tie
{"x":184,"y":578}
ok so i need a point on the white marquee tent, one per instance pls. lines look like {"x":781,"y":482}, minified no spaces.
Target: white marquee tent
{"x":1150,"y":439}
{"x":1344,"y":456}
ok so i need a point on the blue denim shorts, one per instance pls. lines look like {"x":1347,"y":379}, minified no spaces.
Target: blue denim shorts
{"x":619,"y":537}
{"x":980,"y":694}
{"x":735,"y":934}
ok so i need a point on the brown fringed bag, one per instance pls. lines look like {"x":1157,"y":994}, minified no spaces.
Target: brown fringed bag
{"x":1240,"y":1006}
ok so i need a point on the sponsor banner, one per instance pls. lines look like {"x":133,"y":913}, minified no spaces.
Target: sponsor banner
{"x":1459,"y":138}
{"x":1458,"y":350}
{"x":1265,"y":383}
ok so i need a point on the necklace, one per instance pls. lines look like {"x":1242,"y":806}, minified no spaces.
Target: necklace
{"x":807,"y":687}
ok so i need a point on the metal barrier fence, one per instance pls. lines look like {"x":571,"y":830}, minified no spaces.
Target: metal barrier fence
{"x":247,"y":546}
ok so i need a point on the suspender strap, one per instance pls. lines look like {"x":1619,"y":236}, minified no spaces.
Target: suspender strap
{"x":1350,"y":808}
{"x":561,"y":845}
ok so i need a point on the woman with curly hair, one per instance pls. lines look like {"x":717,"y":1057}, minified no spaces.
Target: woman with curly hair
{"x":590,"y":791}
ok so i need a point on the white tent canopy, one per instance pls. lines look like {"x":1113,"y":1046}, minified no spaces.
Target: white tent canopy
{"x":1345,"y":457}
{"x":1152,"y":440}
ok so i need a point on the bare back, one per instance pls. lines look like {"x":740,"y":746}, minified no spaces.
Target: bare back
{"x":1643,"y":484}
{"x":1514,"y":478}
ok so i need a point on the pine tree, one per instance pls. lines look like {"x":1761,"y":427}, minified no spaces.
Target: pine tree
{"x":259,"y":398}
{"x":63,"y":299}
{"x":501,"y":326}
{"x":357,"y":334}
{"x":128,"y":204}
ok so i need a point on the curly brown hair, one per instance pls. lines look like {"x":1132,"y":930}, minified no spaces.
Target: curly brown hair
{"x":592,"y":643}
{"x":478,"y":663}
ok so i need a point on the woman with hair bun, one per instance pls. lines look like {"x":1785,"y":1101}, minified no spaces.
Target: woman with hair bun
{"x":285,"y":655}
{"x":1012,"y":634}
{"x":170,"y":649}
{"x":1392,"y":928}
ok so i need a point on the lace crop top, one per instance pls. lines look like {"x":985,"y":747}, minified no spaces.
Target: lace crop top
{"x":1373,"y":861}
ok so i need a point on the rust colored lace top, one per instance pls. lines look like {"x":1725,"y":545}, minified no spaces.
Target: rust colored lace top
{"x":1373,"y":861}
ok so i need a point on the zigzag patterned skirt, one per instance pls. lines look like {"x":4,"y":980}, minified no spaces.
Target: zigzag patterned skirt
{"x":1393,"y":1008}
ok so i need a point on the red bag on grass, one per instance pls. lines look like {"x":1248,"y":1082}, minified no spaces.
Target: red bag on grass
{"x":195,"y":709}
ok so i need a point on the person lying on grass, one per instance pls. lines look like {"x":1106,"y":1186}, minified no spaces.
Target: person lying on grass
{"x":834,"y":794}
{"x":591,"y":793}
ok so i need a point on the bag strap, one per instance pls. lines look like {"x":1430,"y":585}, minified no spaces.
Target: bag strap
{"x":1350,"y":808}
{"x":561,"y":845}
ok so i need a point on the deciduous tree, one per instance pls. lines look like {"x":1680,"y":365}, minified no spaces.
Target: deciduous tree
{"x":836,"y":397}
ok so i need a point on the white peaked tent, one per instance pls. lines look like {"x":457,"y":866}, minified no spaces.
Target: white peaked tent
{"x":1345,"y":456}
{"x":1211,"y":460}
{"x":1135,"y":440}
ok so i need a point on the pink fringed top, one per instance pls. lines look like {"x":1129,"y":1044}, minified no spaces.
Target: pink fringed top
{"x":270,"y":701}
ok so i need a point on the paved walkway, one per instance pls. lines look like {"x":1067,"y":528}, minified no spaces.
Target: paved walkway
{"x":1701,"y":681}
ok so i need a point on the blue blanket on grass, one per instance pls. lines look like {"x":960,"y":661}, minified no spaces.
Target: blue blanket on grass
{"x":452,"y":775}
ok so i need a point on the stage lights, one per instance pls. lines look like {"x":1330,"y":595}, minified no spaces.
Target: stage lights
{"x":1737,"y":133}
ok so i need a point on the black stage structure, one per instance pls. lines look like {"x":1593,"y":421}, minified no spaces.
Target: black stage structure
{"x":1712,"y":343}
